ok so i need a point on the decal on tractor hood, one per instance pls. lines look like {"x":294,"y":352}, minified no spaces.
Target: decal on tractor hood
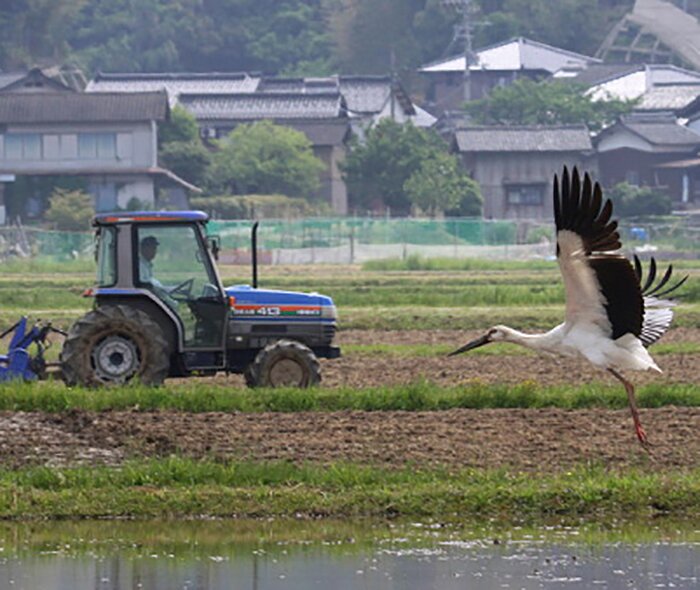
{"x":247,"y":302}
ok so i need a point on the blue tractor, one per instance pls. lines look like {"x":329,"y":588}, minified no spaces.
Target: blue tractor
{"x":161,"y":311}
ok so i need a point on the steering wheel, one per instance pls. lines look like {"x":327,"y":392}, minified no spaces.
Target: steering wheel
{"x":184,"y":290}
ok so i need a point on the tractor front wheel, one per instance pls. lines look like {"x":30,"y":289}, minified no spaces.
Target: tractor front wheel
{"x":285,"y":363}
{"x":113,"y":345}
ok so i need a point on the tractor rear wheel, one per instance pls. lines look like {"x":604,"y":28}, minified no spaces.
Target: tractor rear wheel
{"x":112,"y":345}
{"x":285,"y":363}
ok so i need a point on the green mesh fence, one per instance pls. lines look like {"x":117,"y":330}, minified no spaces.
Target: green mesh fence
{"x":41,"y":243}
{"x":328,"y":233}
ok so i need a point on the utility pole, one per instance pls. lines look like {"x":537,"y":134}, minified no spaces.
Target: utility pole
{"x":463,"y":31}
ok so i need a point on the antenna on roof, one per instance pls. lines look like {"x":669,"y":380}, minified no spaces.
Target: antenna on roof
{"x":463,"y":31}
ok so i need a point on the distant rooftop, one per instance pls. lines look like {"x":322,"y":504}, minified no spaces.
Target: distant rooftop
{"x":560,"y":138}
{"x":669,"y":97}
{"x":175,"y":83}
{"x":597,"y":73}
{"x":258,"y":105}
{"x":515,"y":54}
{"x":76,"y":106}
{"x":363,"y":94}
{"x":659,"y":130}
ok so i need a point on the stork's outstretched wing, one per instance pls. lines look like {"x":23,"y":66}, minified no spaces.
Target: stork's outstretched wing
{"x":601,"y":285}
{"x":658,"y":312}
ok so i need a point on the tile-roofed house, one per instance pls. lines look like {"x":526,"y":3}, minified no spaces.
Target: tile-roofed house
{"x":633,"y":84}
{"x":561,"y":138}
{"x":33,"y":81}
{"x":322,"y":116}
{"x":299,"y":85}
{"x":496,"y":65}
{"x":593,"y":74}
{"x":637,"y":146}
{"x":669,"y":97}
{"x":175,"y":83}
{"x":368,"y":98}
{"x":658,"y":132}
{"x":110,"y":140}
{"x":74,"y":107}
{"x":654,"y":31}
{"x":514,"y":165}
{"x":261,"y":105}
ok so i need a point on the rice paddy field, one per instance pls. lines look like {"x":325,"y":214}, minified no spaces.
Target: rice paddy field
{"x":394,"y":423}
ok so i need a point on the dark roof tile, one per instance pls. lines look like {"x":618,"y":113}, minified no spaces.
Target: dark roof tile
{"x":258,"y":105}
{"x":564,"y":138}
{"x":64,"y":107}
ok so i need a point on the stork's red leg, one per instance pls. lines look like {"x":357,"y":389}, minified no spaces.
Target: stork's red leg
{"x":629,"y":388}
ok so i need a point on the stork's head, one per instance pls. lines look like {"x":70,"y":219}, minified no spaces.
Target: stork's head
{"x":495,"y":334}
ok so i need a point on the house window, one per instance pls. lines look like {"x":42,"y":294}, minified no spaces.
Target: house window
{"x":102,"y":146}
{"x":23,"y":146}
{"x":525,"y":194}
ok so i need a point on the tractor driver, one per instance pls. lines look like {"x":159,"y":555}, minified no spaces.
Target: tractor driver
{"x":148,"y":250}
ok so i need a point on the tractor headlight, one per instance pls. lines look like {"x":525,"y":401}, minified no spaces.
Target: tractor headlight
{"x":329,"y":312}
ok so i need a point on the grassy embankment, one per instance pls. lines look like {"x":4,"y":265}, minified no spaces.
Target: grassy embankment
{"x":434,"y":295}
{"x":177,"y":487}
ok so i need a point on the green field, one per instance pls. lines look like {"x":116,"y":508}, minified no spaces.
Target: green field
{"x":410,"y":295}
{"x":527,"y":295}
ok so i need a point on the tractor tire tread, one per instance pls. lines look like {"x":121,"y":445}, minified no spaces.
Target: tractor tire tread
{"x":88,"y":330}
{"x":257,"y":374}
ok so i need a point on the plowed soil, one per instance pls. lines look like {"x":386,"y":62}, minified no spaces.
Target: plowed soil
{"x":527,"y":440}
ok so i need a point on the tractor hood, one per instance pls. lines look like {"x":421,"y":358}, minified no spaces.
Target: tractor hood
{"x":247,"y":301}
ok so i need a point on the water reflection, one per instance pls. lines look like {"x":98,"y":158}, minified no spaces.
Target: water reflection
{"x":220,"y":555}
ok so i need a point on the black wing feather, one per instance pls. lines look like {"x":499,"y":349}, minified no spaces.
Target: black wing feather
{"x":577,"y":211}
{"x":633,"y":305}
{"x":579,"y":208}
{"x":658,"y":311}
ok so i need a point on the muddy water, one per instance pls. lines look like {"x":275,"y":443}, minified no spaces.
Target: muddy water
{"x":221,"y":555}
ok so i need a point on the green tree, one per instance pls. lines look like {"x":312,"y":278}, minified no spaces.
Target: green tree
{"x":132,"y":35}
{"x":638,"y":201}
{"x":182,"y":126}
{"x":377,"y":169}
{"x":273,"y":36}
{"x":180,"y":148}
{"x":70,"y":210}
{"x":440,"y":185}
{"x":35,"y":31}
{"x":190,"y":160}
{"x":576,"y":25}
{"x":264,"y":158}
{"x":545,"y":103}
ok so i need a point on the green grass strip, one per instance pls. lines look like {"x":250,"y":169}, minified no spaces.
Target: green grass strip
{"x":419,"y":396}
{"x":178,"y":487}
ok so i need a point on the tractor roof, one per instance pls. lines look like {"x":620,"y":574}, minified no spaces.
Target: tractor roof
{"x":149,"y":216}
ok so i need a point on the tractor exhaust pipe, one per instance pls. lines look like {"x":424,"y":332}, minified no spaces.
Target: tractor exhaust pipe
{"x":254,"y":252}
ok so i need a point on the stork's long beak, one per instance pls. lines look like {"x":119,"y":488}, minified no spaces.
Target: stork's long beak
{"x":485,"y":339}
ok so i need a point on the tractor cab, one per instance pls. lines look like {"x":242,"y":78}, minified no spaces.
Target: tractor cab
{"x":166,"y":258}
{"x":161,"y":310}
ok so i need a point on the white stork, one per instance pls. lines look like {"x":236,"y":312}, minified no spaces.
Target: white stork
{"x":611,"y":318}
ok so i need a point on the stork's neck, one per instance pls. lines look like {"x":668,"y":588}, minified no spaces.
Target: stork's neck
{"x":533,"y":341}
